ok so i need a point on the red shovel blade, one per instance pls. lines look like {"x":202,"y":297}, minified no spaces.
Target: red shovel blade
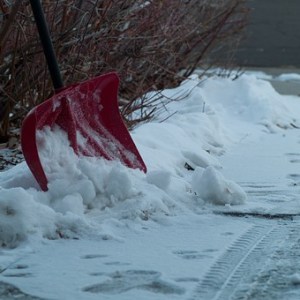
{"x":89,"y":113}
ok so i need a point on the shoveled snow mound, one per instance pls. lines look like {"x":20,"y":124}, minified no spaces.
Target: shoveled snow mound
{"x":92,"y":197}
{"x":249,"y":99}
{"x":288,"y":77}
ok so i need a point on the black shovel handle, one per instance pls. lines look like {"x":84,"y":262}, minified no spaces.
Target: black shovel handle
{"x":47,"y":44}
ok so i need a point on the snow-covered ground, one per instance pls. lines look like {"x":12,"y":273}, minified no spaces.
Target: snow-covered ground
{"x":208,"y":220}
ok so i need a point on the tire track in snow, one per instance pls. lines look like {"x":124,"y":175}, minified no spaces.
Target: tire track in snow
{"x":242,"y":261}
{"x":280,"y":276}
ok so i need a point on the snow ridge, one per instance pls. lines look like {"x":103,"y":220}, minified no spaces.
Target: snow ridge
{"x":87,"y":194}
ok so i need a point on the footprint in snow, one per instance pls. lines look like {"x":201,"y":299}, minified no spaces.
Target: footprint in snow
{"x":294,"y":157}
{"x":18,"y":275}
{"x":294,"y":176}
{"x":9,"y":291}
{"x":123,"y":281}
{"x":116,"y":263}
{"x":295,"y":161}
{"x":190,"y":254}
{"x":93,"y":256}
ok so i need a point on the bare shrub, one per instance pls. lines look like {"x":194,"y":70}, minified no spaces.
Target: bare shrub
{"x":146,"y":42}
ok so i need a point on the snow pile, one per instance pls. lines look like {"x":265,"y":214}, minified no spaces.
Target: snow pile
{"x":249,"y":99}
{"x":289,"y":77}
{"x":94,"y":197}
{"x":212,"y":187}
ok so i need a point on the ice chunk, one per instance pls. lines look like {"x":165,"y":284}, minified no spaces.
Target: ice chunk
{"x":211,"y":186}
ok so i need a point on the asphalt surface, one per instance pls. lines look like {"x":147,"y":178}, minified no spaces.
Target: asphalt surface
{"x":272,"y":38}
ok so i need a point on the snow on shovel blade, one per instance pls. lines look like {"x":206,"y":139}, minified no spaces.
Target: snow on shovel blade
{"x":89,"y":113}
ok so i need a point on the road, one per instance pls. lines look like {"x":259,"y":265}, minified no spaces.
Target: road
{"x":273,"y":35}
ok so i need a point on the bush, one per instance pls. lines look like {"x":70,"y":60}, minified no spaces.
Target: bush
{"x":146,"y":42}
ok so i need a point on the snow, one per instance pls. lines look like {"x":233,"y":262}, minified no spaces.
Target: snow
{"x":288,"y":76}
{"x":131,"y":235}
{"x":211,"y":186}
{"x":295,"y":278}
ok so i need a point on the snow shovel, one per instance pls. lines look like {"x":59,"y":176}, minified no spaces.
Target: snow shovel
{"x":87,"y":111}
